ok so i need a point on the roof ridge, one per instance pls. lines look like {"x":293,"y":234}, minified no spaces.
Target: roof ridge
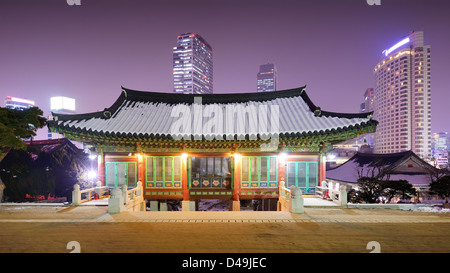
{"x":170,"y":98}
{"x":384,"y":154}
{"x":175,"y":98}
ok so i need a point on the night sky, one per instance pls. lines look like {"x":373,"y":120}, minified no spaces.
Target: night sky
{"x":88,"y":52}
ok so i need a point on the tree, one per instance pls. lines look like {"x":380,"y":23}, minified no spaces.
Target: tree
{"x":14,"y":171}
{"x":40,"y":172}
{"x":441,"y":187}
{"x":376,"y":169}
{"x":401,"y":188}
{"x":353,"y":196}
{"x":16,"y":125}
{"x":66,"y":168}
{"x":437,"y":173}
{"x":370,"y":189}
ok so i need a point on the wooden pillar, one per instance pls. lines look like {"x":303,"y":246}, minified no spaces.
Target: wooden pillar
{"x":101,"y":168}
{"x":237,"y":183}
{"x":281,"y":170}
{"x":322,"y":168}
{"x":186,"y":205}
{"x":237,"y":177}
{"x":141,"y":169}
{"x":185,"y":165}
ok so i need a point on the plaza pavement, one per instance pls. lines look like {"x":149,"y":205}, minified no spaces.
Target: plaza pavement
{"x":49,"y":228}
{"x":56,"y":213}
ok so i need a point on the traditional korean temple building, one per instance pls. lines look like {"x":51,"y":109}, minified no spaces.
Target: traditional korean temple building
{"x":217,"y":146}
{"x":394,"y":166}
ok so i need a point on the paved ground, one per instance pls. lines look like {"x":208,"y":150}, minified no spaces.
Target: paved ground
{"x":50,"y":228}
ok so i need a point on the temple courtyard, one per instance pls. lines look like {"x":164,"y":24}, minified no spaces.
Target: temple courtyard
{"x":49,"y":229}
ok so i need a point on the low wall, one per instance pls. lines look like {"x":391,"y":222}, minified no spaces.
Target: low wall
{"x":388,"y":206}
{"x":136,"y":204}
{"x":126,"y":200}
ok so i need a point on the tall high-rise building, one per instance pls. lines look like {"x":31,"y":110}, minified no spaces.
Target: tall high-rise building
{"x":403,"y":97}
{"x":368,"y":104}
{"x":266,"y":79}
{"x":192,"y":65}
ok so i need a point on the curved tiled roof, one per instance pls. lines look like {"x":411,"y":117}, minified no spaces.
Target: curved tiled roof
{"x":370,"y":164}
{"x":151,"y":114}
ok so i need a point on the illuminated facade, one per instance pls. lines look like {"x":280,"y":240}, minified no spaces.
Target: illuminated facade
{"x":60,"y":105}
{"x":178,"y":149}
{"x":266,"y":79}
{"x":403,"y":98}
{"x":440,"y":148}
{"x":18,"y":103}
{"x":192,"y":65}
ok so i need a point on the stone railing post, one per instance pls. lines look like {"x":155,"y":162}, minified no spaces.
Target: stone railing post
{"x":76,"y":195}
{"x":97,"y":189}
{"x":125,"y":194}
{"x":282,"y":185}
{"x":281,"y":196}
{"x":139,"y":190}
{"x":296,"y":201}
{"x":115,"y":202}
{"x":343,"y":196}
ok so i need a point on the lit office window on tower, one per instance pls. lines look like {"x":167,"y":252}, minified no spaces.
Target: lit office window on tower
{"x":192,"y":65}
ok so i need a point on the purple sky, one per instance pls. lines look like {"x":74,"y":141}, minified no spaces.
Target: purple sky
{"x":87,"y":52}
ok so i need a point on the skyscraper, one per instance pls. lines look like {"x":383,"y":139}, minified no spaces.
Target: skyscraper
{"x":368,"y":104}
{"x":192,"y":65}
{"x":266,"y":79}
{"x":403,"y":98}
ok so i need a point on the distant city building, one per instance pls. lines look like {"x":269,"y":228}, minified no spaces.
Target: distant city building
{"x":60,"y":105}
{"x":368,"y":104}
{"x":403,"y":98}
{"x":343,"y":151}
{"x":440,"y":148}
{"x":441,"y":159}
{"x":18,"y":103}
{"x":440,"y":141}
{"x":266,"y":79}
{"x":192,"y":65}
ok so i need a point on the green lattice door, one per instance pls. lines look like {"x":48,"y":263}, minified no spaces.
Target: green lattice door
{"x":121,"y":173}
{"x":303,"y":174}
